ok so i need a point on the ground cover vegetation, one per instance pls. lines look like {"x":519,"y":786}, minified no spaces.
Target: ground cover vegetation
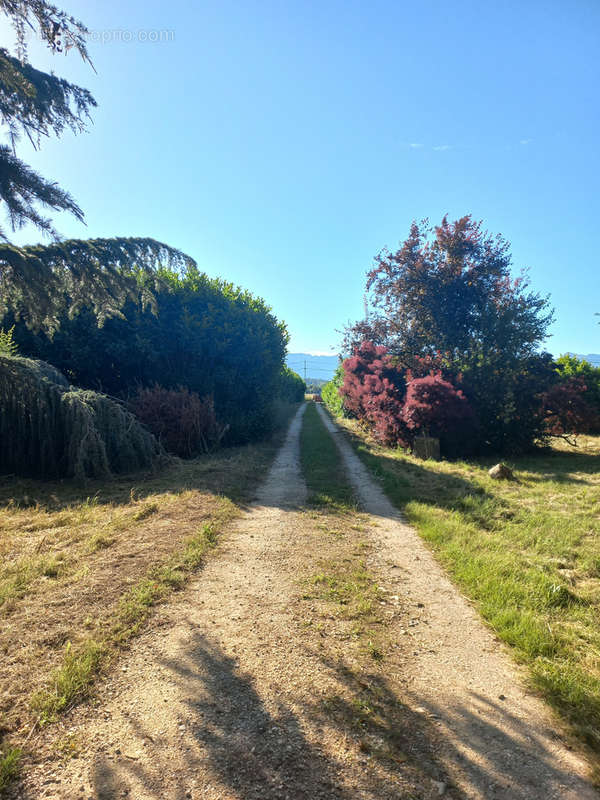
{"x":82,"y":568}
{"x":451,"y":349}
{"x":525,"y":551}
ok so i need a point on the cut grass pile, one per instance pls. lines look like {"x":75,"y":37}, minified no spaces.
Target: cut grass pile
{"x":81,"y":570}
{"x":527,"y":552}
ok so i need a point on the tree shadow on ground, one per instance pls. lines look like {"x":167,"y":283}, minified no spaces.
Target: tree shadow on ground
{"x":242,"y":747}
{"x":254,"y":751}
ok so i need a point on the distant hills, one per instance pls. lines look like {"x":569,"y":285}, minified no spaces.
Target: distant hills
{"x":321,"y":367}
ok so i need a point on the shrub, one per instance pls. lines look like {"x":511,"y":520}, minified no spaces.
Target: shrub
{"x":51,"y":430}
{"x":566,"y":411}
{"x":568,"y":367}
{"x":373,"y":391}
{"x":330,"y":393}
{"x":290,"y":387}
{"x":436,"y":408}
{"x":184,"y":423}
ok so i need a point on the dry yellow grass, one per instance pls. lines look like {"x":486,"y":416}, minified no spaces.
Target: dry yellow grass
{"x":80,"y":569}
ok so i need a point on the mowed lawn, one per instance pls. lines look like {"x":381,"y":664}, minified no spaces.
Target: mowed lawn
{"x":527,"y":552}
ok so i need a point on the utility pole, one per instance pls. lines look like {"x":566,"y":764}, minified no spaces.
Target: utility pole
{"x":304,"y":370}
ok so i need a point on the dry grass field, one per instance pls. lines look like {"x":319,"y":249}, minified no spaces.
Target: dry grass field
{"x":82,"y":567}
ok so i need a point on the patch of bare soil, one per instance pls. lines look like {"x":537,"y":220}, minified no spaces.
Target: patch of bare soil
{"x":252,"y":685}
{"x":500,"y":741}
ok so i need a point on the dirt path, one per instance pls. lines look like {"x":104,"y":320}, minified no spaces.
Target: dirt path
{"x":501,"y":741}
{"x":231,"y":696}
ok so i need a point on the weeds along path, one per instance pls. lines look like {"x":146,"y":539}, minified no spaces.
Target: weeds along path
{"x":500,"y":741}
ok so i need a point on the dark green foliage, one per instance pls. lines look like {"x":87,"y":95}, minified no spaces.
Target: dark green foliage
{"x":39,"y":284}
{"x":51,"y":430}
{"x":37,"y":104}
{"x":290,"y":386}
{"x":21,"y":188}
{"x":570,"y":367}
{"x":204,"y":334}
{"x":331,"y":394}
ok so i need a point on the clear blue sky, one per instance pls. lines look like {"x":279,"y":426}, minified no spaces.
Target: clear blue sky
{"x":283,"y":144}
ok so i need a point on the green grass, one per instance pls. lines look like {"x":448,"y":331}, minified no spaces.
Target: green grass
{"x":70,"y":683}
{"x":343,"y":582}
{"x":527,"y":552}
{"x":322,"y":465}
{"x":10,"y":758}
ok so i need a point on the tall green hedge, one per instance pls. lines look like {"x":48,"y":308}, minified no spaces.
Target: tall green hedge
{"x":201,"y":333}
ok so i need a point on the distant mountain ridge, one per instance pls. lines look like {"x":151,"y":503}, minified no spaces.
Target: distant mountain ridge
{"x":321,"y":367}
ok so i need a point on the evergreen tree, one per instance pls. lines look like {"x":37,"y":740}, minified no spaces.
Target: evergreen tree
{"x":37,"y":104}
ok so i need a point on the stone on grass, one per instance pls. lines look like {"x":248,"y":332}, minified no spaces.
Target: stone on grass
{"x":500,"y":472}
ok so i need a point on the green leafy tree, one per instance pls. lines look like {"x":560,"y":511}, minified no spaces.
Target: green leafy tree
{"x":331,"y":393}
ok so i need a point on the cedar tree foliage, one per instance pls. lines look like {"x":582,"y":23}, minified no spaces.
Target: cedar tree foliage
{"x":38,"y":283}
{"x":37,"y":104}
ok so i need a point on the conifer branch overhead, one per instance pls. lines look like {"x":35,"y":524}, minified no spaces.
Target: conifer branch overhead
{"x":36,"y":104}
{"x":40,"y":282}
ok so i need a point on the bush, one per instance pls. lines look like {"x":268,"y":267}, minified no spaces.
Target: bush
{"x":184,"y":423}
{"x":436,"y":408}
{"x":568,"y":367}
{"x":395,"y":404}
{"x":290,"y":388}
{"x":373,"y":391}
{"x":51,"y":430}
{"x":331,"y":396}
{"x":566,"y":410}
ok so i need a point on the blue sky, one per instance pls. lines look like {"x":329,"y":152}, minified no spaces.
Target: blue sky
{"x":283,"y":144}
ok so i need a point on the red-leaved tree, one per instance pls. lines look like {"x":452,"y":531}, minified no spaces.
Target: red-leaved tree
{"x":373,"y":391}
{"x":435,"y":407}
{"x":566,"y":411}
